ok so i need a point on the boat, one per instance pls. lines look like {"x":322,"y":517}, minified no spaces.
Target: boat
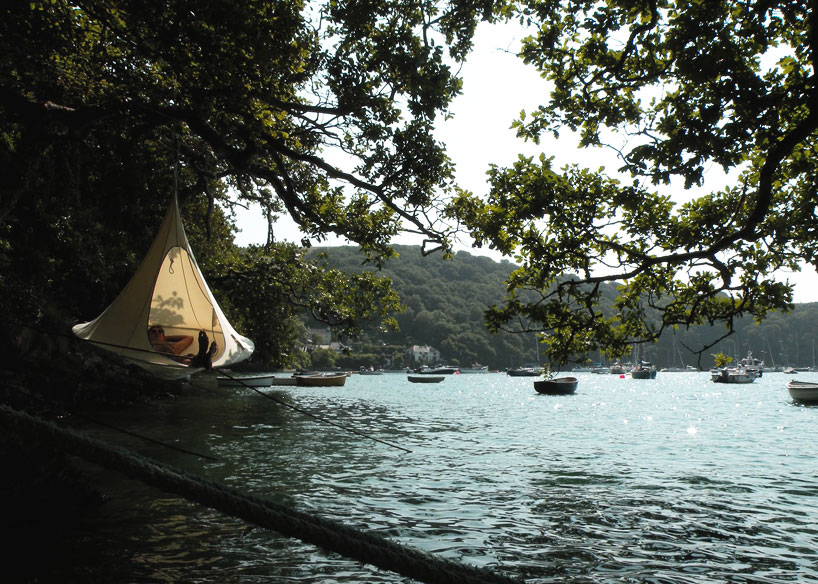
{"x":166,"y":292}
{"x":475,"y":368}
{"x":752,"y":365}
{"x":426,"y":378}
{"x":617,"y":369}
{"x":253,"y":380}
{"x":556,"y":386}
{"x":320,"y":379}
{"x":370,"y":371}
{"x":731,"y":375}
{"x":804,"y":392}
{"x":439,"y":370}
{"x":643,"y":369}
{"x":524,"y":372}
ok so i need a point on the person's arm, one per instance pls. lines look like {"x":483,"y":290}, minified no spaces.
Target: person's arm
{"x":178,"y":343}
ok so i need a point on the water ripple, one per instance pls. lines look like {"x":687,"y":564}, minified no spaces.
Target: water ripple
{"x":676,"y":481}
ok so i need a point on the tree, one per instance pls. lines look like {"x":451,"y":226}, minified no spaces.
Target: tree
{"x":322,"y":110}
{"x":691,"y":85}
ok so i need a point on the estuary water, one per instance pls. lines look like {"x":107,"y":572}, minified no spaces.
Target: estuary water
{"x":671,"y":480}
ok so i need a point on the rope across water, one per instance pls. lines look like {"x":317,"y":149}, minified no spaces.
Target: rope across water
{"x":325,"y":533}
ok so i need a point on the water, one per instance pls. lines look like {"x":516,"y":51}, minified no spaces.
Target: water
{"x":671,"y":480}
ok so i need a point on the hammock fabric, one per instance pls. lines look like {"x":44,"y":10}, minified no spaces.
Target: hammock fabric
{"x":167,"y":290}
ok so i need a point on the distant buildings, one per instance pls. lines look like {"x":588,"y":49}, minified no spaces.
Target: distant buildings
{"x":423,"y":354}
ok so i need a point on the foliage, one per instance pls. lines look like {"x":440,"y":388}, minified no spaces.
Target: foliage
{"x":444,"y":302}
{"x":266,"y":288}
{"x":691,"y":86}
{"x":322,"y":358}
{"x":321,"y":110}
{"x":456,"y":293}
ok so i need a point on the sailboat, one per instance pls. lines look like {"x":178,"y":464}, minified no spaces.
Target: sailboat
{"x":168,"y":290}
{"x":643,"y":369}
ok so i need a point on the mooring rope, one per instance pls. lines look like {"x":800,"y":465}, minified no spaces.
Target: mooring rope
{"x":141,"y":436}
{"x":310,"y":414}
{"x":221,"y":372}
{"x":322,"y":532}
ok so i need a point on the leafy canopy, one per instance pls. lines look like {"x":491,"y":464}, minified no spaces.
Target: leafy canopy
{"x":675,"y":88}
{"x":323,"y":110}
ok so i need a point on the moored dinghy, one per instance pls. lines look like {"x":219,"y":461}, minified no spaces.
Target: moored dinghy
{"x":422,"y":378}
{"x":557,"y":386}
{"x":804,"y":392}
{"x":321,"y":379}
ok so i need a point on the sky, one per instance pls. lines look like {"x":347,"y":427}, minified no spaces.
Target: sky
{"x":496,"y":87}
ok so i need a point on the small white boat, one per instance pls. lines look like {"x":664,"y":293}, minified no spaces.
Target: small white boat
{"x":475,"y":368}
{"x":250,"y":380}
{"x":617,"y":369}
{"x":732,"y":375}
{"x":804,"y":392}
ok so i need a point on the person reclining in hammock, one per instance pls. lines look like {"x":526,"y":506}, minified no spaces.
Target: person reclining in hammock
{"x":173,"y":345}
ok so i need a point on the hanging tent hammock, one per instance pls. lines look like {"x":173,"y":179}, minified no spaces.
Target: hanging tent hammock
{"x":167,"y":290}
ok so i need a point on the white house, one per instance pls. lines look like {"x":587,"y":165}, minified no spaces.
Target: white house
{"x":423,"y":354}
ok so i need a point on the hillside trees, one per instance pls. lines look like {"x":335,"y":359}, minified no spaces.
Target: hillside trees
{"x":320,"y":110}
{"x":676,"y":89}
{"x":444,"y":301}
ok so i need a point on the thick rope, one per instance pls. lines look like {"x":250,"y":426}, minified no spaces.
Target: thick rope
{"x":325,"y":533}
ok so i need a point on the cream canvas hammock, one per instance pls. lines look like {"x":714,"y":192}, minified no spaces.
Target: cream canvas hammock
{"x":167,"y":290}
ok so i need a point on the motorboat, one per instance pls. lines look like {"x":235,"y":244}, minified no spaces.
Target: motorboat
{"x":617,"y":369}
{"x":752,"y":365}
{"x":805,"y":392}
{"x":523,"y":372}
{"x":556,"y":386}
{"x":732,"y":375}
{"x":439,"y":370}
{"x":475,"y":368}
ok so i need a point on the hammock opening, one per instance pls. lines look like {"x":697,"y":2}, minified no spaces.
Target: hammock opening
{"x":182,"y":304}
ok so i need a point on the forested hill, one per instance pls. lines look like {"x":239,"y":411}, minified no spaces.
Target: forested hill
{"x":445,"y":300}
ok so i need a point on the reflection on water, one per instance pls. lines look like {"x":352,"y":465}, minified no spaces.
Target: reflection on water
{"x":670,"y":480}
